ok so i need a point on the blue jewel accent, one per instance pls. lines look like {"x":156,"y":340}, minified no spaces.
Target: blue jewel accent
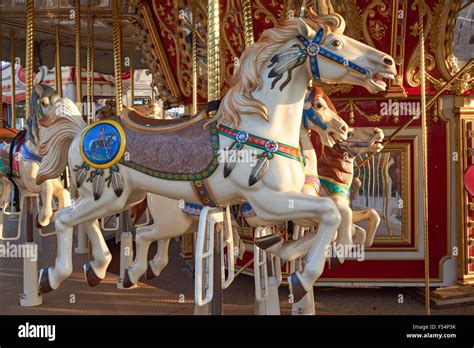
{"x":241,"y":136}
{"x":271,"y":146}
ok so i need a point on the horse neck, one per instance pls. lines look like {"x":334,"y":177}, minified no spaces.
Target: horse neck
{"x":311,"y":166}
{"x":31,"y":147}
{"x":284,"y":108}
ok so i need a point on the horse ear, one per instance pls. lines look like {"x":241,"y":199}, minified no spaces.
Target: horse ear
{"x":335,"y":21}
{"x":304,"y":29}
{"x":39,"y":89}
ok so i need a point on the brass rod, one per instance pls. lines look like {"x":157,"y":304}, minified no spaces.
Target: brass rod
{"x":213,"y":52}
{"x":77,"y":33}
{"x":13,"y":79}
{"x":29,"y":49}
{"x":424,"y":146}
{"x":57,"y":62}
{"x":247,"y":22}
{"x":117,"y":38}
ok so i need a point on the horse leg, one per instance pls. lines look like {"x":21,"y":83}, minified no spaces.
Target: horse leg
{"x":308,"y":208}
{"x":359,"y":235}
{"x":63,"y":196}
{"x":159,"y":262}
{"x":144,"y":237}
{"x":169,"y":222}
{"x":344,"y":238}
{"x":86,"y":209}
{"x":46,"y":211}
{"x":95,"y":270}
{"x":373,"y":219}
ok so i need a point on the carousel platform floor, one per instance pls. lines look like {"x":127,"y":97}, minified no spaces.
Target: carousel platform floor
{"x":165,"y":295}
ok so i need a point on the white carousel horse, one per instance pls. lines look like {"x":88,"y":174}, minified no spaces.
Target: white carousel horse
{"x":24,"y":162}
{"x":256,"y":102}
{"x":174,"y":218}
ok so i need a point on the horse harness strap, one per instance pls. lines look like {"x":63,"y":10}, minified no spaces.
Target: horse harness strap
{"x":16,"y":191}
{"x":336,"y":188}
{"x":310,"y":114}
{"x":269,"y":146}
{"x":313,"y":49}
{"x":204,"y":193}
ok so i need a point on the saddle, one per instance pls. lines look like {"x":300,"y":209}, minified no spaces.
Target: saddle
{"x":138,"y":122}
{"x":8,"y":138}
{"x":184,"y":150}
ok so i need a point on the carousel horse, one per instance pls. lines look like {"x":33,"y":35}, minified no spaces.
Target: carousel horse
{"x":185,"y":157}
{"x":336,"y":170}
{"x":174,"y":218}
{"x":21,"y":163}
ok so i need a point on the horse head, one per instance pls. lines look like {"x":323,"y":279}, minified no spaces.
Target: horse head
{"x":42,"y":102}
{"x":362,"y":140}
{"x":320,"y":115}
{"x":337,"y":58}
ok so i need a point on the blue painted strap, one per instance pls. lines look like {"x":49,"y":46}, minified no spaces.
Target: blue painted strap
{"x":314,"y":49}
{"x":28,"y":155}
{"x":192,"y":209}
{"x":312,"y":116}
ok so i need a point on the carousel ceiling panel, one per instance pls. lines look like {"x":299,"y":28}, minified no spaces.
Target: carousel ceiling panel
{"x":49,"y":13}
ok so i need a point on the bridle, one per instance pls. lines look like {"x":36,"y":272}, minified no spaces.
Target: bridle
{"x":311,"y":115}
{"x":314,"y":49}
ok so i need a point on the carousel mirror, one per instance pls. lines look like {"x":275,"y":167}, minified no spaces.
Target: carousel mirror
{"x":462,"y":43}
{"x":385,"y":182}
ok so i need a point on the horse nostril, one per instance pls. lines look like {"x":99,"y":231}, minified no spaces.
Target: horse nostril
{"x":388,"y":61}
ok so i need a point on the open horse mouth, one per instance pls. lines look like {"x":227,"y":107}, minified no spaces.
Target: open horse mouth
{"x":335,"y":138}
{"x":377,"y":80}
{"x":377,"y":144}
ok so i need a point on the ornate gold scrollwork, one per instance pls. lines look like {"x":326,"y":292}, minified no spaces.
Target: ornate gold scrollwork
{"x":412,"y":72}
{"x":441,"y":44}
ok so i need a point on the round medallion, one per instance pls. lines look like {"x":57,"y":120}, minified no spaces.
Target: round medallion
{"x":103,"y":144}
{"x":313,"y":49}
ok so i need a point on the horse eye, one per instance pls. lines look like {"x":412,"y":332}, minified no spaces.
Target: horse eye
{"x":336,"y":43}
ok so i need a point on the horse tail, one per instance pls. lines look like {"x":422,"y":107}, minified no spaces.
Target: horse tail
{"x":64,"y":126}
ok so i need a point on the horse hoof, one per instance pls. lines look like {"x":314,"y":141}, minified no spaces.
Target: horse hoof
{"x":297,"y":288}
{"x":334,"y":262}
{"x":149,"y":273}
{"x":38,"y":225}
{"x":126,"y":282}
{"x":267,"y":242}
{"x":91,"y":277}
{"x":44,"y":285}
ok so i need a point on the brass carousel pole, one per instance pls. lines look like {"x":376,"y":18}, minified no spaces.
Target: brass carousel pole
{"x":132,"y":79}
{"x":213,"y":95}
{"x":424,"y":139}
{"x":77,"y":32}
{"x":30,"y":295}
{"x":194,"y":65}
{"x":213,"y":41}
{"x":57,"y":62}
{"x":90,"y":65}
{"x":13,"y":79}
{"x":117,"y":38}
{"x":247,"y":21}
